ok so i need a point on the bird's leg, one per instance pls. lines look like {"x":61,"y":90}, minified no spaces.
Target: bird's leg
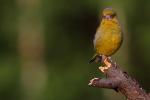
{"x":107,"y":62}
{"x":107,"y":65}
{"x":109,"y":59}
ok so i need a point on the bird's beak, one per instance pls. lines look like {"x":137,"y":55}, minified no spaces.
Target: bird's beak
{"x":108,"y":17}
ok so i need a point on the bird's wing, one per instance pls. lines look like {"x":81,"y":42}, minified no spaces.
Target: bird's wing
{"x":97,"y":36}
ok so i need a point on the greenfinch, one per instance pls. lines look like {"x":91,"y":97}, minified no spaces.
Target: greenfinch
{"x":108,"y":37}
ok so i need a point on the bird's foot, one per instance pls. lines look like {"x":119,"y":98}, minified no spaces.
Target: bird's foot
{"x":107,"y":63}
{"x":109,"y":59}
{"x":103,"y":69}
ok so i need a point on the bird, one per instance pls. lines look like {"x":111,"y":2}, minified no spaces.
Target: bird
{"x":109,"y":35}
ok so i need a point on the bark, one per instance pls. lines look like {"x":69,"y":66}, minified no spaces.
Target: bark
{"x":120,"y":81}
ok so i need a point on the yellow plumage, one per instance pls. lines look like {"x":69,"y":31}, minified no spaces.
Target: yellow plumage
{"x":108,"y":37}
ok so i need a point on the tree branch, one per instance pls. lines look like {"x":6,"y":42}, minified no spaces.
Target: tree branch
{"x":119,"y":81}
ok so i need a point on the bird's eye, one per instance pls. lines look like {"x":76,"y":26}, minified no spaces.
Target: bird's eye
{"x":113,"y":15}
{"x":104,"y":17}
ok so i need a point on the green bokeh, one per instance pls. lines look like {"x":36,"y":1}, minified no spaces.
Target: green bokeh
{"x":68,"y":29}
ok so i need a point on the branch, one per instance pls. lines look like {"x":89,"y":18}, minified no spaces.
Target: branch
{"x":119,"y":81}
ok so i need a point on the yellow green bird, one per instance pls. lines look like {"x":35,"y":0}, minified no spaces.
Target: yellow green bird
{"x":108,"y":37}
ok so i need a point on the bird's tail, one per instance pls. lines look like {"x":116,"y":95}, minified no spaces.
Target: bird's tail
{"x":96,"y":58}
{"x":92,"y":59}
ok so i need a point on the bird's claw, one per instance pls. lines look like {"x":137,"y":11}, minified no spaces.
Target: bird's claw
{"x":107,"y":63}
{"x":103,"y":69}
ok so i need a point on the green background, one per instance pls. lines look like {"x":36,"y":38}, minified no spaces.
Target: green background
{"x":45,"y":47}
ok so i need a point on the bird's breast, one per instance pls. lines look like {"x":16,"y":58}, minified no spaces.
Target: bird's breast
{"x":108,"y":38}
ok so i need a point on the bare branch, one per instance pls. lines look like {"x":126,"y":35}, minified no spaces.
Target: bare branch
{"x":120,"y":81}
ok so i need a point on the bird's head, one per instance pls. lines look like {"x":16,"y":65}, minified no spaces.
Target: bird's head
{"x":109,"y":14}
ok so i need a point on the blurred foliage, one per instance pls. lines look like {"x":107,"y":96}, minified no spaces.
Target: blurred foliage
{"x":68,"y":30}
